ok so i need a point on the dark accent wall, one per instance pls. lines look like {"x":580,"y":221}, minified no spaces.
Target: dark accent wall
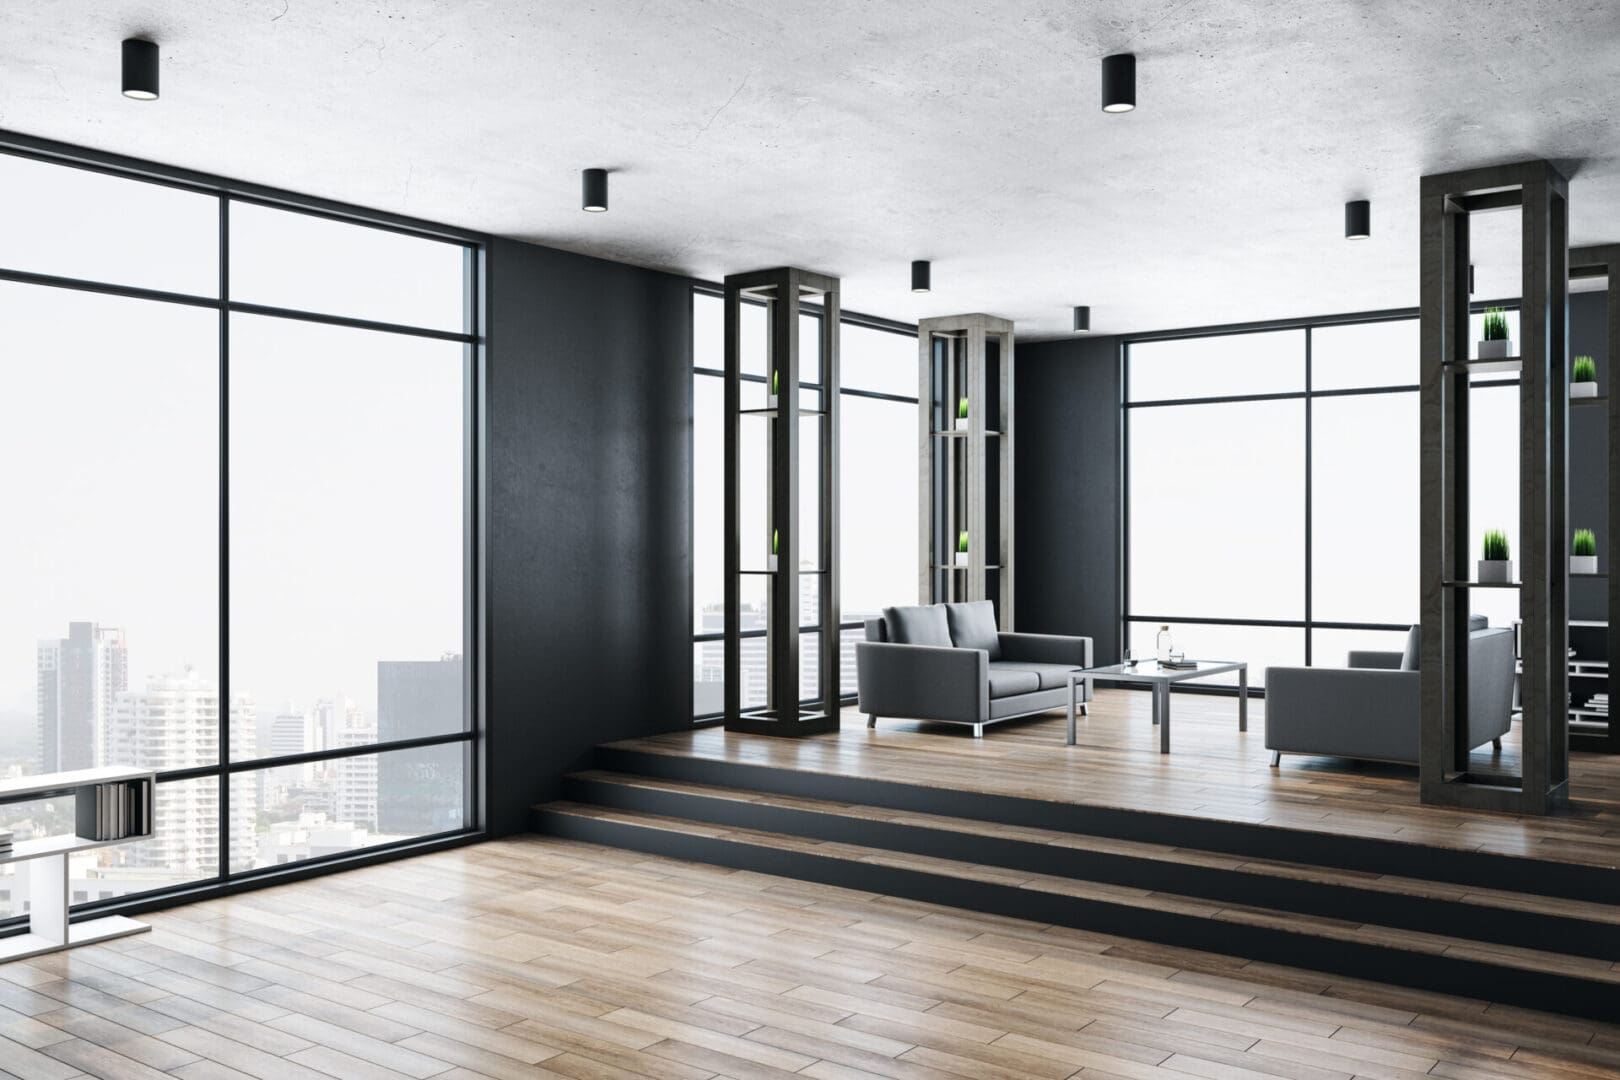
{"x":588,"y":509}
{"x":1066,"y":398}
{"x":1588,"y":449}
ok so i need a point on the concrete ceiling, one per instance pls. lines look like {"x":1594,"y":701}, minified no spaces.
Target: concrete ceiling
{"x":851,"y":137}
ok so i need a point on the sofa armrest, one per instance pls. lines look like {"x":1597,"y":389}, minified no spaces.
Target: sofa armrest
{"x":1343,"y":712}
{"x":923,"y":682}
{"x":1046,"y":649}
{"x":1375,"y":658}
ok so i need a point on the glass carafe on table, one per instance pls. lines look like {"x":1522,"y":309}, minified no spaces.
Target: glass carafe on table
{"x":1164,"y":645}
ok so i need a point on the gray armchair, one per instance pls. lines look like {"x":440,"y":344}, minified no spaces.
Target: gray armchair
{"x":948,"y":662}
{"x":1370,"y":709}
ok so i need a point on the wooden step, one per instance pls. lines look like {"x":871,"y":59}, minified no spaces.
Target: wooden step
{"x":1494,"y":917}
{"x":1543,"y":979}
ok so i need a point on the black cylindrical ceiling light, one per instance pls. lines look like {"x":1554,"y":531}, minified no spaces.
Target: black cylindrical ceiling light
{"x":595,"y":191}
{"x":1082,"y":319}
{"x":1357,"y":219}
{"x":1119,"y":83}
{"x":1470,"y":279}
{"x":922,"y":275}
{"x":140,"y":69}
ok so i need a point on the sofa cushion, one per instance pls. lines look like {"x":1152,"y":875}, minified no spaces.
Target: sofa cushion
{"x":1409,"y":655}
{"x":973,"y":626}
{"x":922,"y":624}
{"x":1051,"y":676}
{"x":1007,"y":681}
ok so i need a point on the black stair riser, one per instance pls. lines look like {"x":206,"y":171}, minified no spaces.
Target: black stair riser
{"x":1570,"y":995}
{"x":1448,"y":865}
{"x":1532,"y":930}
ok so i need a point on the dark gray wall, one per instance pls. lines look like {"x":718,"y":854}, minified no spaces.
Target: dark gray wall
{"x":1066,"y":399}
{"x":1588,"y":450}
{"x":589,"y":506}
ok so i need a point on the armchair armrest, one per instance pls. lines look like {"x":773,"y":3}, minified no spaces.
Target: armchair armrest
{"x":1046,"y":649}
{"x":923,"y":682}
{"x":1375,"y":658}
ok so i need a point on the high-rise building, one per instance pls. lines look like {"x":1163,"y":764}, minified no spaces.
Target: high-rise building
{"x":76,"y":681}
{"x":354,"y":778}
{"x":174,"y":724}
{"x":416,"y":698}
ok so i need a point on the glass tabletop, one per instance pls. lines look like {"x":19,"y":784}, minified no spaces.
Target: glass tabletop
{"x":1151,"y":669}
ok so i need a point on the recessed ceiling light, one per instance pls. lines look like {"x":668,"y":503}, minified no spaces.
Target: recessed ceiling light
{"x":1082,"y":319}
{"x":595,"y":191}
{"x":1357,"y":219}
{"x":140,"y":69}
{"x":922,"y":275}
{"x":1119,"y":83}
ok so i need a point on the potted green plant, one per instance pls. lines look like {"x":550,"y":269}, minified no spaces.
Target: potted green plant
{"x":1497,"y":565}
{"x":770,"y":398}
{"x":770,"y":560}
{"x":962,"y":415}
{"x":1497,"y":345}
{"x":1583,"y":552}
{"x":962,"y":549}
{"x":1583,"y":382}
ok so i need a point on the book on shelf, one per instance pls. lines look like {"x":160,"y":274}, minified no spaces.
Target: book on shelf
{"x":113,"y":811}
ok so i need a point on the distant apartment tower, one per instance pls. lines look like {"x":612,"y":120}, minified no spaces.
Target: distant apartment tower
{"x":417,"y":698}
{"x":174,"y":724}
{"x":354,"y":778}
{"x":77,"y":679}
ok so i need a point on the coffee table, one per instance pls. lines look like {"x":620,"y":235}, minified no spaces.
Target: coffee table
{"x":1149,"y":673}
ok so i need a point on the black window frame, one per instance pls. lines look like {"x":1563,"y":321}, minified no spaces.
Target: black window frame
{"x":473,"y":338}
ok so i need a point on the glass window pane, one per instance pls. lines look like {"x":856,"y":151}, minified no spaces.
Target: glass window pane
{"x":1364,"y":508}
{"x":878,"y":505}
{"x":708,"y":503}
{"x":708,"y":678}
{"x":1332,"y":648}
{"x":347,"y":575}
{"x":878,"y":360}
{"x":1272,"y":362}
{"x":286,"y":259}
{"x":1259,"y":646}
{"x":349,"y":803}
{"x":1365,"y":354}
{"x":56,"y":219}
{"x":109,"y":572}
{"x":1217,"y":510}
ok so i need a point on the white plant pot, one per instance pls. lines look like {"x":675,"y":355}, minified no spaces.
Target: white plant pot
{"x":1495,"y":571}
{"x":1583,"y":564}
{"x":770,"y":563}
{"x":961,"y":558}
{"x":1500,"y":349}
{"x":961,"y":423}
{"x":770,"y":401}
{"x":1583,"y":389}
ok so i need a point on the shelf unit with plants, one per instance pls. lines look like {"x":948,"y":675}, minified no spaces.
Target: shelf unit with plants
{"x":772,"y":425}
{"x":965,"y":483}
{"x":1595,"y":643}
{"x":1448,"y":203}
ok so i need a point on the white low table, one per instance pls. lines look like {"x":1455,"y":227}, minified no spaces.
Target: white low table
{"x":1149,"y":673}
{"x":45,"y":860}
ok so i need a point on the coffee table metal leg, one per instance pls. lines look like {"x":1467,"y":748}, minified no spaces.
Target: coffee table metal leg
{"x":1161,"y":713}
{"x":1071,"y":709}
{"x":1243,"y":698}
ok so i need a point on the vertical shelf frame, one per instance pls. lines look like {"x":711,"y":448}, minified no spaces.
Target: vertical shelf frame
{"x":965,"y":480}
{"x":1447,"y":202}
{"x":783,"y":291}
{"x":1589,"y":262}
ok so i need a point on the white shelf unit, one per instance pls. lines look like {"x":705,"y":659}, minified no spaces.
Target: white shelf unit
{"x":44,"y":863}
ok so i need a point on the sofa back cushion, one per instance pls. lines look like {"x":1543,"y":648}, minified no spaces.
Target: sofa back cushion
{"x":917,"y":625}
{"x":1409,"y":655}
{"x":973,"y":626}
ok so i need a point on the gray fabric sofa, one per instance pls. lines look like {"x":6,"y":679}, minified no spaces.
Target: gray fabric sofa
{"x":948,"y":662}
{"x":1370,"y":709}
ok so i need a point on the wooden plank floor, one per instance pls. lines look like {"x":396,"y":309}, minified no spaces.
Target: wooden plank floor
{"x":1213,"y":771}
{"x":534,"y":957}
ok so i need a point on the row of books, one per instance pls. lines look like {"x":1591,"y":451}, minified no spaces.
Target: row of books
{"x":114,"y":811}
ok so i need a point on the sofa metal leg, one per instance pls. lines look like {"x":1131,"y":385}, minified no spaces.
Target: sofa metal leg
{"x":978,"y":731}
{"x":1276,"y":758}
{"x":1085,"y":708}
{"x":871,"y":719}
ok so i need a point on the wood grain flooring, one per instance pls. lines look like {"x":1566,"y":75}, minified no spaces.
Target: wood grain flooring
{"x":1214,"y":771}
{"x":544,"y":958}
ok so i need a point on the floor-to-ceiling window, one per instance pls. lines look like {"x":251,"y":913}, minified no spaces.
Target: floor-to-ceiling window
{"x":1271,"y":500}
{"x":877,"y":497}
{"x":238,"y":444}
